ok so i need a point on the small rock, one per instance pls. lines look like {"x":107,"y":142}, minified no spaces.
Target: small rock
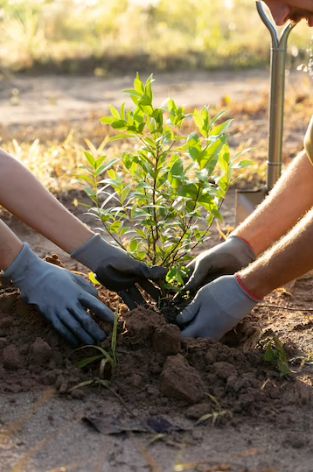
{"x":167,"y":340}
{"x":63,"y":387}
{"x":224,"y":370}
{"x":61,"y":383}
{"x":78,"y":394}
{"x":197,"y":434}
{"x":155,"y":368}
{"x":195,"y":412}
{"x":181,"y":381}
{"x":295,"y":440}
{"x":135,"y":380}
{"x":5,"y":322}
{"x":48,"y":378}
{"x":11,"y":358}
{"x":152,"y":391}
{"x":41,"y":352}
{"x":210,"y":357}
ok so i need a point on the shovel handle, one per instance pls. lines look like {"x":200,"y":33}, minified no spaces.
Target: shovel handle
{"x":279,"y":38}
{"x":277,"y":94}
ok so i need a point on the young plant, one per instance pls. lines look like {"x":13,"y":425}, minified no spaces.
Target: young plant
{"x":107,"y":360}
{"x":159,"y":197}
{"x":276,"y":355}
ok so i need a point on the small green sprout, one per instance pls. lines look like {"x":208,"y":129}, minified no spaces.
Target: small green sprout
{"x":276,"y":355}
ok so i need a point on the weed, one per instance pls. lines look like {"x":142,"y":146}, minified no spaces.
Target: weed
{"x":216,"y":414}
{"x":276,"y":355}
{"x":107,"y":360}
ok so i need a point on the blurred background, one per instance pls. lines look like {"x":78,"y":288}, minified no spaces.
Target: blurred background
{"x":109,"y":36}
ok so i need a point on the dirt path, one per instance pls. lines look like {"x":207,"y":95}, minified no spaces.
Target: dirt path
{"x":30,"y":100}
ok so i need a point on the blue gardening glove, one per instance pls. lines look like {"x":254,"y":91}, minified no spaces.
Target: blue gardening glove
{"x":117,"y":270}
{"x":224,"y":259}
{"x":216,"y":309}
{"x":63,"y":298}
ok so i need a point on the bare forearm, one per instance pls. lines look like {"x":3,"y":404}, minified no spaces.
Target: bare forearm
{"x":10,"y":246}
{"x":288,"y":259}
{"x":290,"y":199}
{"x":25,"y":197}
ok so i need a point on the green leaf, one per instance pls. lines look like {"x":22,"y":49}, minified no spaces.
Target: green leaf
{"x":119,"y":124}
{"x":115,"y":113}
{"x":90,"y":158}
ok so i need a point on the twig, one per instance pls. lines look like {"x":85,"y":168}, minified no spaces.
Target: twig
{"x":289,"y":308}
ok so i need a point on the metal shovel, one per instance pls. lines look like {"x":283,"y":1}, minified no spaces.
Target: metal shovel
{"x":248,"y":200}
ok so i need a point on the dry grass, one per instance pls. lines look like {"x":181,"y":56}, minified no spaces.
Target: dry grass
{"x":92,"y":35}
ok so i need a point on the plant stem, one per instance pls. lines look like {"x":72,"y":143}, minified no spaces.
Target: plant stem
{"x":174,"y":249}
{"x":155,"y":216}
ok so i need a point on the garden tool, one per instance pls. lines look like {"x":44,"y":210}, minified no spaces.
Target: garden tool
{"x":248,"y":200}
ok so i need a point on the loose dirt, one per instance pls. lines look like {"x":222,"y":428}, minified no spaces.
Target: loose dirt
{"x":179,"y":392}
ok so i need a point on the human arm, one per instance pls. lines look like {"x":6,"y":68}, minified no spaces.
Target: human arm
{"x":290,"y":199}
{"x":26,"y":198}
{"x":220,"y":305}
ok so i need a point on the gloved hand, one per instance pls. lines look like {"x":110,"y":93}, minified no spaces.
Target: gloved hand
{"x":62,"y":297}
{"x":117,"y":270}
{"x":224,"y":259}
{"x":216,"y":309}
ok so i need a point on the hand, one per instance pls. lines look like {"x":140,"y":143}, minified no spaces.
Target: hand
{"x":117,"y":270}
{"x":224,"y":259}
{"x":216,"y":309}
{"x":294,"y":10}
{"x":62,"y":298}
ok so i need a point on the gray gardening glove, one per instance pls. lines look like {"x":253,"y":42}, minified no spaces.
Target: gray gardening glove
{"x":216,"y":309}
{"x":118,"y":271}
{"x":224,"y":259}
{"x":63,"y":298}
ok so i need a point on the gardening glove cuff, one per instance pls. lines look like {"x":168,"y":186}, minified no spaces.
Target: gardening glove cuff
{"x":94,"y":252}
{"x":216,"y":309}
{"x":23,"y":267}
{"x":243,"y":250}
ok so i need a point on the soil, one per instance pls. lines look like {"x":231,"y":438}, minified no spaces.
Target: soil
{"x":166,"y":385}
{"x":172,"y":404}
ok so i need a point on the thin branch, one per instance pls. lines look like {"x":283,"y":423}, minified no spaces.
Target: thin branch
{"x":281,"y":307}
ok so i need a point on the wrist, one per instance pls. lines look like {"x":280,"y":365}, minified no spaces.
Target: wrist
{"x":251,"y":287}
{"x":22,"y":264}
{"x":92,"y":252}
{"x":247,"y":243}
{"x":8,"y":256}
